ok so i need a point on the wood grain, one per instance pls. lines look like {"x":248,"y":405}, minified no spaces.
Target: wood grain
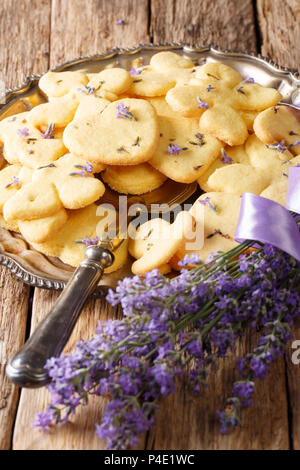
{"x":280,"y":34}
{"x":279,"y":29}
{"x":25,"y":28}
{"x":24,"y":39}
{"x":228,"y":23}
{"x":80,"y":28}
{"x":13,"y":315}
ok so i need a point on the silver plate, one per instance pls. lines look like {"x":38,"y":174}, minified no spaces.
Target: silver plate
{"x":37,"y":270}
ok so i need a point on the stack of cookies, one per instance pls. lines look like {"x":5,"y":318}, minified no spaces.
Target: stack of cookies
{"x":171,"y":119}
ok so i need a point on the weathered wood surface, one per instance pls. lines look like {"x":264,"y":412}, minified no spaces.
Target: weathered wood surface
{"x":69,"y":28}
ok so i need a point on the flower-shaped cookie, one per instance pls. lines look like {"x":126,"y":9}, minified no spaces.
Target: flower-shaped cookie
{"x":66,"y":184}
{"x":24,"y":144}
{"x":124,"y":133}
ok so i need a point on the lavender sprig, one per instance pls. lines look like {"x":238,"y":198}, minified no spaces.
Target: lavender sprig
{"x":123,"y":112}
{"x":202,"y":104}
{"x":170,"y":323}
{"x":85,"y":169}
{"x":248,"y":80}
{"x":174,"y":149}
{"x":23,"y":132}
{"x":15,"y":181}
{"x":282,"y":146}
{"x":88,"y":241}
{"x":207,"y":202}
{"x":225,"y":158}
{"x":48,"y":134}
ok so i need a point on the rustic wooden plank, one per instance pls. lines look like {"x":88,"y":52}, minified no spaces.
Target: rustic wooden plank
{"x":24,"y":39}
{"x":24,"y":36}
{"x":13,"y":315}
{"x":187,"y":421}
{"x":280,"y":34}
{"x":79,"y":28}
{"x":229,"y":24}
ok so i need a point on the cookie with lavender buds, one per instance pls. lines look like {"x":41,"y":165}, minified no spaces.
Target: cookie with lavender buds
{"x":218,"y":214}
{"x":111,"y":137}
{"x":215,"y":72}
{"x":227,"y":156}
{"x":70,"y":242}
{"x":183,"y":153}
{"x":194,"y":99}
{"x":114,"y":80}
{"x":164,"y":248}
{"x":151,"y":83}
{"x":134,"y":179}
{"x":68,"y":183}
{"x":279,"y":128}
{"x":24,"y":144}
{"x":142,"y":239}
{"x":269,"y":160}
{"x":10,"y":183}
{"x":56,"y":84}
{"x":238,"y":178}
{"x":224,"y":123}
{"x":254,"y":97}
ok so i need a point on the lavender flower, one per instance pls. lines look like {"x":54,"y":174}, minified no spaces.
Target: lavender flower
{"x":207,"y":202}
{"x":15,"y":181}
{"x":282,"y":146}
{"x":225,"y":158}
{"x":210,"y":87}
{"x":248,"y":80}
{"x":88,"y":241}
{"x":168,"y":324}
{"x":202,"y":104}
{"x":134,"y":72}
{"x":23,"y":132}
{"x":120,"y":22}
{"x":49,"y":132}
{"x":174,"y":149}
{"x":88,"y":168}
{"x":123,"y":112}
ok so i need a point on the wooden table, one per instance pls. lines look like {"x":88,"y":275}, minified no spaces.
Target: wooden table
{"x":38,"y":34}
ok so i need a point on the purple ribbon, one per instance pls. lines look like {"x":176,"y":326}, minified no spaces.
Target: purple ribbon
{"x":293,"y":195}
{"x":268,"y":222}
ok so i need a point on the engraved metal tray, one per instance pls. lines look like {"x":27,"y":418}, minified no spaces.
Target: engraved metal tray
{"x":38,"y":270}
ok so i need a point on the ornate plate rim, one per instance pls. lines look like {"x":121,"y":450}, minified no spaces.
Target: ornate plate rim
{"x":54,"y":284}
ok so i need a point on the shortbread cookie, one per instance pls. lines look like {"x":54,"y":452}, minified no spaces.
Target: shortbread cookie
{"x":277,"y":191}
{"x":238,"y":178}
{"x":40,"y":230}
{"x":227,"y":156}
{"x":279,"y":125}
{"x":219,"y":212}
{"x":224,"y":123}
{"x":162,"y":108}
{"x":194,"y":100}
{"x":152,"y":231}
{"x":68,"y":245}
{"x":56,"y":84}
{"x":183,"y":154}
{"x":165,"y":61}
{"x":134,"y":179}
{"x":248,"y":117}
{"x":254,"y":97}
{"x":114,"y":80}
{"x":163,"y":250}
{"x":216,"y":71}
{"x":13,"y":226}
{"x":271,"y":161}
{"x":24,"y":144}
{"x":10,"y":183}
{"x":151,"y":83}
{"x":68,"y":183}
{"x":125,"y":133}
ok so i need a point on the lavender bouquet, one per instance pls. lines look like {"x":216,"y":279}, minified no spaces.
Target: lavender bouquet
{"x":169,"y":324}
